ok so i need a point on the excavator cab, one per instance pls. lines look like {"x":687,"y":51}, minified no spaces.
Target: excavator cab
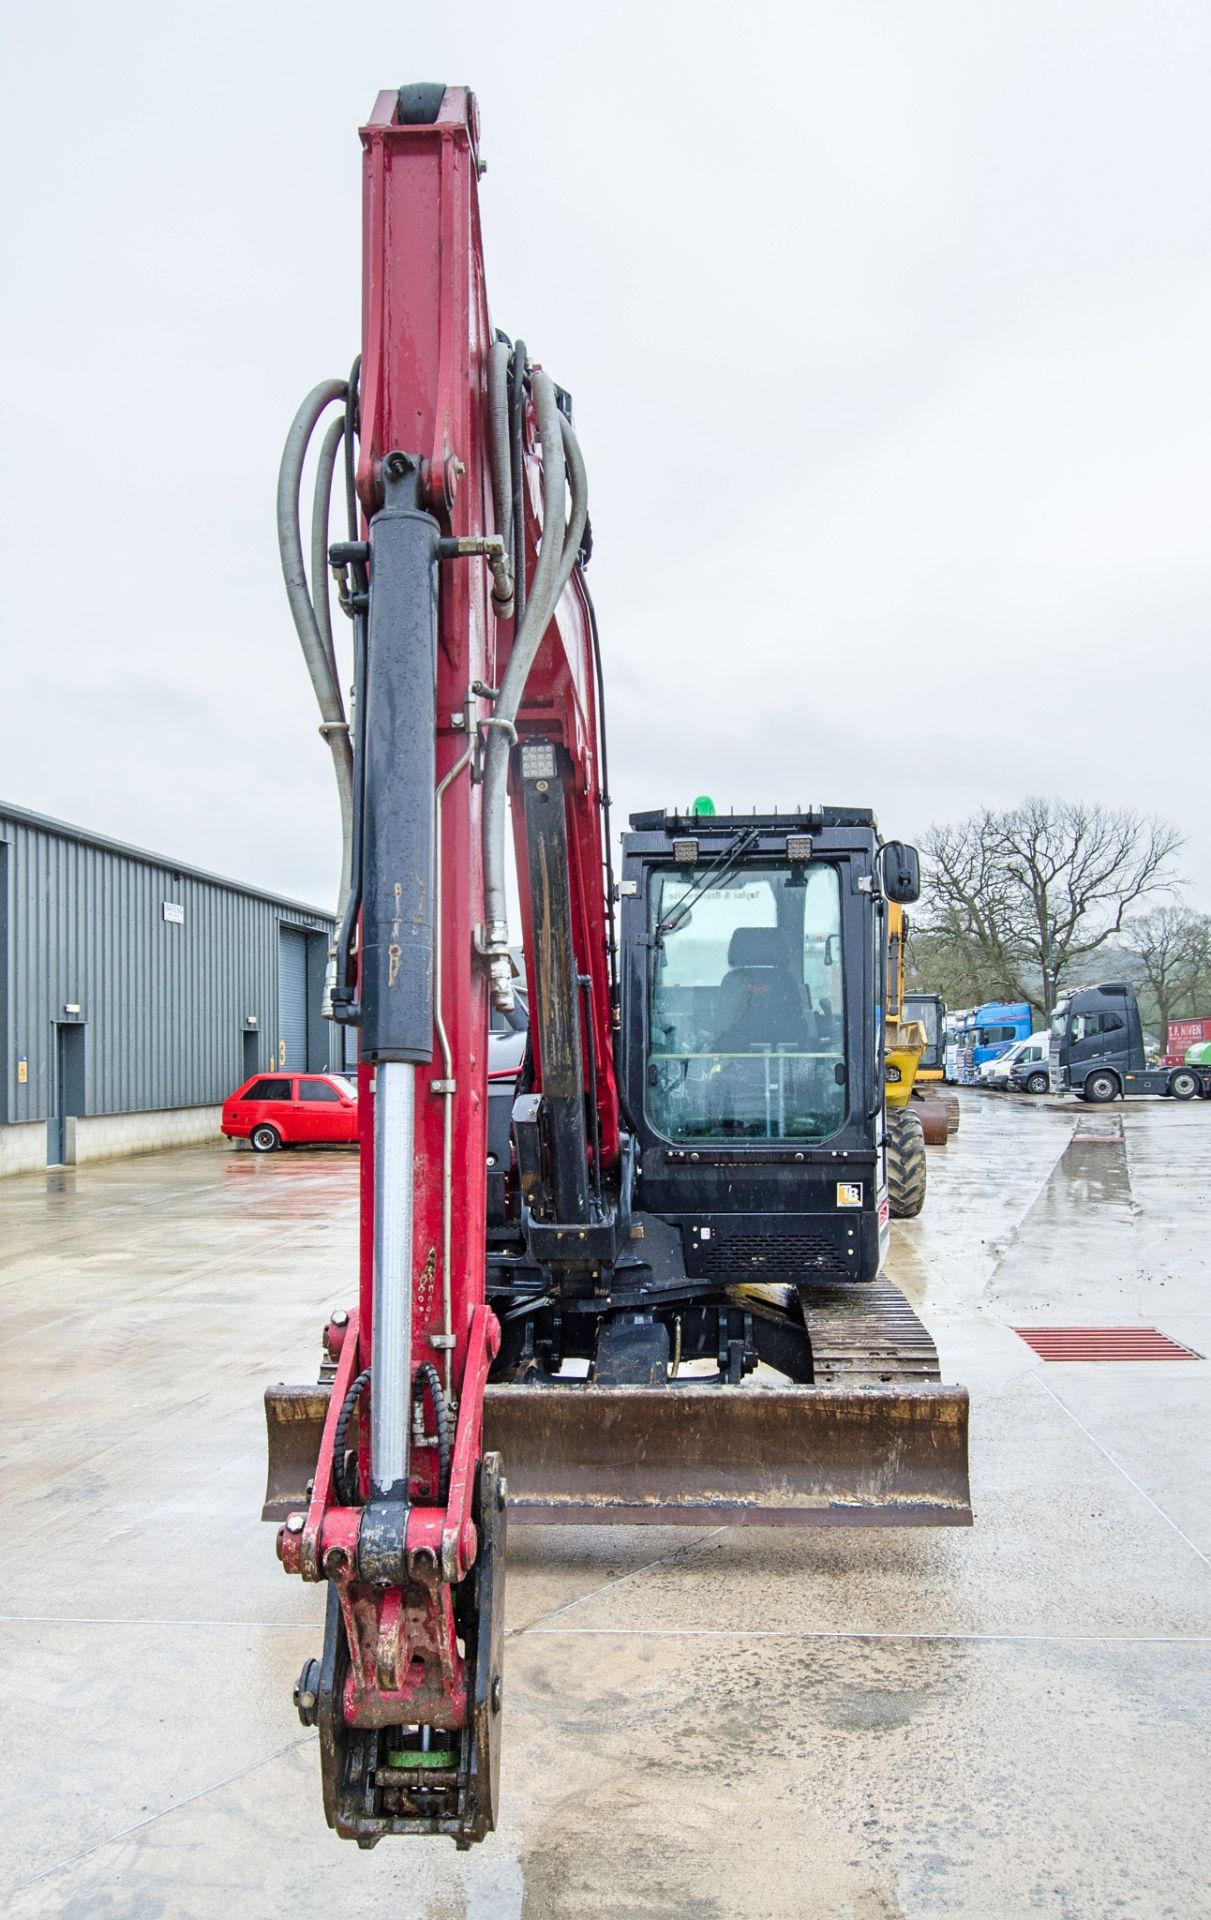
{"x":751,"y":1044}
{"x":710,"y":1337}
{"x":725,"y":1348}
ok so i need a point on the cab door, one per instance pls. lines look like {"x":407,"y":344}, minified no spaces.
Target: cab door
{"x":322,"y":1113}
{"x":1099,"y":1037}
{"x":347,"y":1117}
{"x":306,"y":1113}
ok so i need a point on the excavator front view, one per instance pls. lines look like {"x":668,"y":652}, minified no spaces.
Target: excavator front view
{"x":660,"y":1298}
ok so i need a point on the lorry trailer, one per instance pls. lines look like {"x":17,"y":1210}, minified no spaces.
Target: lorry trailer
{"x":1182,"y":1035}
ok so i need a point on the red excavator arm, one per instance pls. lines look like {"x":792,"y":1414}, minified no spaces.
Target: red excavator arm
{"x":613,"y":1257}
{"x":474,"y":637}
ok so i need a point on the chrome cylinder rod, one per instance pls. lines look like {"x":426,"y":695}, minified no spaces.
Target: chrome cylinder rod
{"x":391,"y":1353}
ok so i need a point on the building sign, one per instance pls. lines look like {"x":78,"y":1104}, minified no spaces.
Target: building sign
{"x":22,"y":1069}
{"x":174,"y":911}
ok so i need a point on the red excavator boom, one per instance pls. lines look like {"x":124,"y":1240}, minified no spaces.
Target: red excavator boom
{"x":445,"y":582}
{"x":618,"y":1284}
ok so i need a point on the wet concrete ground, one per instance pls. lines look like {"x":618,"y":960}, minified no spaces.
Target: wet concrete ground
{"x":1002,"y":1722}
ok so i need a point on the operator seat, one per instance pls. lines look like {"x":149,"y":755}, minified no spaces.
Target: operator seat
{"x":761,"y":1003}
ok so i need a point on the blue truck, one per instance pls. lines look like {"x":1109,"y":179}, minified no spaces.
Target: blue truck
{"x":991,"y":1030}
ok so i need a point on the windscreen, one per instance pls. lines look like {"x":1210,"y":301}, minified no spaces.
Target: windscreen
{"x":994,"y":1036}
{"x":747,"y":1033}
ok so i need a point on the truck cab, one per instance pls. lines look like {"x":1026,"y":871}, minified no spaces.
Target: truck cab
{"x":995,"y":1027}
{"x":1096,"y":1030}
{"x":1098,"y":1049}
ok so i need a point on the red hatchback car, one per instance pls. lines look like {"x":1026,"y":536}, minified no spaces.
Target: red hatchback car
{"x":291,"y":1110}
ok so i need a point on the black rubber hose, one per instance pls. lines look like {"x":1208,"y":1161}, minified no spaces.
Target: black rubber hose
{"x":353,"y":902}
{"x":611,"y":936}
{"x":352,"y":425}
{"x":346,"y":1495}
{"x":427,"y":1376}
{"x":611,"y":933}
{"x":517,"y":405}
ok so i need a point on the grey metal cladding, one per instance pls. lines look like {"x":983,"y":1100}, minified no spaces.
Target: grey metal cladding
{"x":164,"y":1000}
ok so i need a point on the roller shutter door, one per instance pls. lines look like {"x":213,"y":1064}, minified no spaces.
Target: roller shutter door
{"x":292,"y":999}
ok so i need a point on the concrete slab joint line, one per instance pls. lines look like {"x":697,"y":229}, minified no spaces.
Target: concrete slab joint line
{"x":1120,"y":1468}
{"x":161,"y":1813}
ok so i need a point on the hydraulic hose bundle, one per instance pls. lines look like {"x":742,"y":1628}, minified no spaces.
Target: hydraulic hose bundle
{"x":309,"y":601}
{"x":563,"y":473}
{"x":562,"y":470}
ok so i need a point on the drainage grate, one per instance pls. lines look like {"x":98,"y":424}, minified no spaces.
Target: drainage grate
{"x":1103,"y":1343}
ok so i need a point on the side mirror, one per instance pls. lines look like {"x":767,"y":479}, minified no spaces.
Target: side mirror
{"x":901,"y":873}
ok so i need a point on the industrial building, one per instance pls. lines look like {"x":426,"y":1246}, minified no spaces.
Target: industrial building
{"x":137,"y":993}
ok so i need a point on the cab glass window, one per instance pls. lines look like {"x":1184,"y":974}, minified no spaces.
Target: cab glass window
{"x":746,"y":1035}
{"x":1088,"y":1026}
{"x":926,"y":1011}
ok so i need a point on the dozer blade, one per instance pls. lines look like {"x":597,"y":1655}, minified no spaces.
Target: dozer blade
{"x":793,"y":1456}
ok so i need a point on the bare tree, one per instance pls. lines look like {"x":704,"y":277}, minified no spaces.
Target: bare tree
{"x":938,"y":964}
{"x":968,"y":908}
{"x":1173,"y":948}
{"x":1032,"y":890}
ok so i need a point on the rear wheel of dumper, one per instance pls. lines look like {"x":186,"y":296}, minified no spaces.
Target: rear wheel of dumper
{"x":905,"y":1163}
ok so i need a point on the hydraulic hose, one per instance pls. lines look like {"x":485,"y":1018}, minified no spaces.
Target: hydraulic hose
{"x":353,"y":428}
{"x":557,"y":553}
{"x":578,"y":481}
{"x":498,"y":442}
{"x":320,"y":509}
{"x":335,"y":732}
{"x":314,"y":627}
{"x":517,"y":477}
{"x":427,"y":1376}
{"x":346,"y":1492}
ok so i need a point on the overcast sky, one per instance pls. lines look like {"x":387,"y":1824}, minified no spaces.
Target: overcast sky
{"x":888,"y":327}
